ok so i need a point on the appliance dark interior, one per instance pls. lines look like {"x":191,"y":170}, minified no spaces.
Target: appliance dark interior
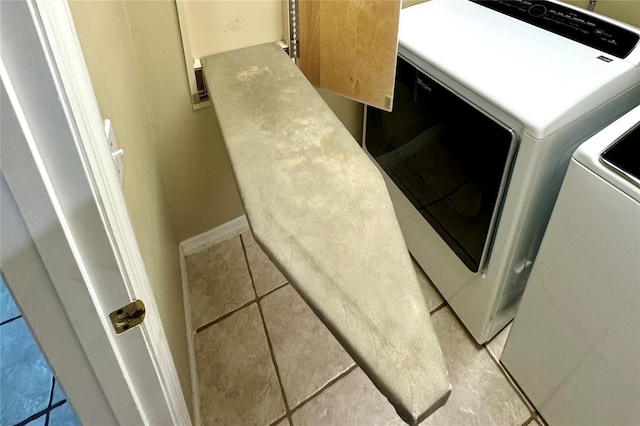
{"x":447,"y":157}
{"x":625,"y":154}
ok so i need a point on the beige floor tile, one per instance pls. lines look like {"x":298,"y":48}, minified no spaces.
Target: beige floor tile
{"x":265,"y":275}
{"x":219,"y":281}
{"x":481,"y":393}
{"x":352,"y":400}
{"x":236,"y":376}
{"x":307,"y":354}
{"x":496,"y":345}
{"x":283,"y":422}
{"x":429,"y":291}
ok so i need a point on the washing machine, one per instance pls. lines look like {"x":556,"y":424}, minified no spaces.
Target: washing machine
{"x":492,"y":97}
{"x":574,"y":347}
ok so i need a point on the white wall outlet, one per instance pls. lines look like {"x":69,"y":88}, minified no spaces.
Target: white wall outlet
{"x":116,"y":153}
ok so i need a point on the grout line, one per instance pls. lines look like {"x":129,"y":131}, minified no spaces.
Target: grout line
{"x":10,"y":320}
{"x":41,"y":413}
{"x":539,"y":419}
{"x":246,"y":260}
{"x":528,"y":421}
{"x":273,"y":359}
{"x":437,"y":308}
{"x":266,"y":332}
{"x":279,"y":420}
{"x":512,"y":382}
{"x":258,"y":299}
{"x":233,"y":311}
{"x":504,"y":372}
{"x":228,"y":314}
{"x":535,"y":419}
{"x":442,"y":306}
{"x":225,"y":316}
{"x":255,"y":290}
{"x":322,"y":389}
{"x":272,"y":291}
{"x":53,"y":386}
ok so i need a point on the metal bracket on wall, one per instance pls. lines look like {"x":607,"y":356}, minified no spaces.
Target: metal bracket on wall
{"x":592,"y":4}
{"x":293,"y":29}
{"x":200,"y":84}
{"x":197,"y":85}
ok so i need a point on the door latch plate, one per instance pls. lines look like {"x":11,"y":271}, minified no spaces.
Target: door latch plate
{"x":128,"y":316}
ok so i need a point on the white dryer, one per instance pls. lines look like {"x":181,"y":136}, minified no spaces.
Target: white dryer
{"x":492,"y":98}
{"x":574,"y":347}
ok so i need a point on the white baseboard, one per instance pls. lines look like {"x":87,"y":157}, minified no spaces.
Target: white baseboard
{"x":214,"y":236}
{"x":188,"y":247}
{"x":195,"y":393}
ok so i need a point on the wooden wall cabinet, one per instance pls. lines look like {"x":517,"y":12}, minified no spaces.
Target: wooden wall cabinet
{"x":348,"y":47}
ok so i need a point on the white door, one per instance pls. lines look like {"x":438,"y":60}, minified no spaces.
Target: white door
{"x":68,"y":250}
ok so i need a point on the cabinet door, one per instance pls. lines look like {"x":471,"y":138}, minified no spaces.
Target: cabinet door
{"x":349,"y":47}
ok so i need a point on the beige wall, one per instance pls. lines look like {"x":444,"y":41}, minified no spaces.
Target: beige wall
{"x":623,"y":10}
{"x":408,"y":3}
{"x":198,"y":182}
{"x":220,"y":26}
{"x":107,"y":44}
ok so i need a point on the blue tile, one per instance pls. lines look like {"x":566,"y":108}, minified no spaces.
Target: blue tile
{"x":63,"y":416}
{"x":8,"y":308}
{"x":25,"y":378}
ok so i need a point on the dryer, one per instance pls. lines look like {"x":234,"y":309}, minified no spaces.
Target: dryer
{"x":492,"y":97}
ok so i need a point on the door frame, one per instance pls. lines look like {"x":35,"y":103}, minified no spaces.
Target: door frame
{"x":61,"y":175}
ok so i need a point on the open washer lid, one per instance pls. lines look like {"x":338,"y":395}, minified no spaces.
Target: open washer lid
{"x":613,"y":154}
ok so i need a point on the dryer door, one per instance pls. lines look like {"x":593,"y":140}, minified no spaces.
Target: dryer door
{"x":448,"y":158}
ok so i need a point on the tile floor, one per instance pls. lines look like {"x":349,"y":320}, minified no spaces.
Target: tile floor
{"x":264,"y":358}
{"x":29,"y":393}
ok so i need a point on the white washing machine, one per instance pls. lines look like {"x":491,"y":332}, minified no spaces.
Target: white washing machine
{"x":492,"y":97}
{"x":574,"y":347}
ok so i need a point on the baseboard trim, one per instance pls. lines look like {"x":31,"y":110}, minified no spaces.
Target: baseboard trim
{"x":195,"y":393}
{"x":188,"y":247}
{"x":214,"y":236}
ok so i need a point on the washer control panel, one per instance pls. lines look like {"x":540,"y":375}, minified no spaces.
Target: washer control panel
{"x":569,"y":23}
